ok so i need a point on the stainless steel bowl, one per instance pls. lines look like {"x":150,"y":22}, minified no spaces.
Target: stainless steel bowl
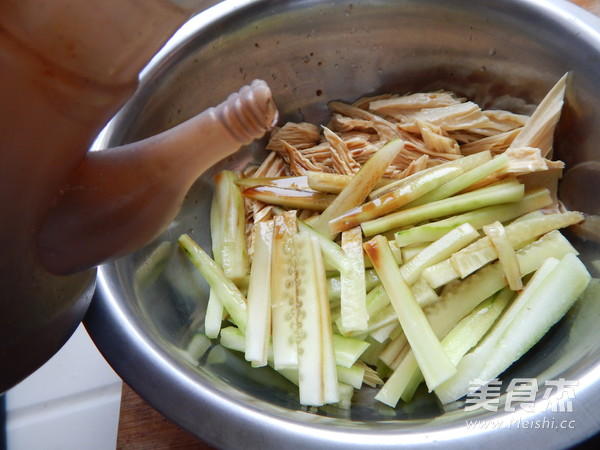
{"x":506,"y":52}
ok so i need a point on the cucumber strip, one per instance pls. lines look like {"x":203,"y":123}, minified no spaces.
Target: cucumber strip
{"x":228,"y":293}
{"x":331,"y":391}
{"x":198,"y":346}
{"x":549,"y":303}
{"x":433,"y":362}
{"x":393,"y":348}
{"x":371,"y":355}
{"x":437,"y":251}
{"x":376,"y":301}
{"x":394,"y":199}
{"x":384,"y":333}
{"x":428,"y":232}
{"x":459,"y":301}
{"x":213,"y":318}
{"x":468,"y":332}
{"x":258,"y":329}
{"x":440,"y":274}
{"x":456,"y":302}
{"x":232,"y":220}
{"x":424,"y":293}
{"x":348,"y":350}
{"x":411,"y":386}
{"x":502,"y":192}
{"x":464,"y":180}
{"x":532,"y":215}
{"x":361,"y":184}
{"x":297,"y":183}
{"x":346,"y":392}
{"x":233,"y":339}
{"x":353,"y":376}
{"x":332,"y":252}
{"x":396,"y":251}
{"x":543,"y":302}
{"x":354,"y":316}
{"x":506,"y":254}
{"x":405,"y":375}
{"x":519,"y":233}
{"x":334,"y":284}
{"x":382,"y":318}
{"x":283,"y":292}
{"x":310,"y":334}
{"x":290,"y":198}
{"x":521,"y":302}
{"x":409,"y":251}
{"x":465,"y":164}
{"x":333,"y":183}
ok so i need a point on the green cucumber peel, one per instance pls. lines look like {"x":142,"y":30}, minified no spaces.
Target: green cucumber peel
{"x":499,"y":193}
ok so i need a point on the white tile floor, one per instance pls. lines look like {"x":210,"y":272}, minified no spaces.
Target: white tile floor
{"x":72,"y":402}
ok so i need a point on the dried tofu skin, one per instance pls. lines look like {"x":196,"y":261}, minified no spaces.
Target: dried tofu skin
{"x":436,"y":127}
{"x":539,"y":130}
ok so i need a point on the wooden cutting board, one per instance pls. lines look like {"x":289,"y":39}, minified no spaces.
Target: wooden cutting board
{"x":142,"y":427}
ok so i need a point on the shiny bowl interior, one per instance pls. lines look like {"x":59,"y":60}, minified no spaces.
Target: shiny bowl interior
{"x":148,"y":304}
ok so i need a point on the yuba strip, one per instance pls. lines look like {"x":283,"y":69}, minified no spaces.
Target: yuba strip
{"x":361,"y":184}
{"x":258,"y":329}
{"x":283,"y":292}
{"x":538,"y":132}
{"x":502,"y":192}
{"x":433,"y":362}
{"x":354,"y":316}
{"x":298,"y":182}
{"x":394,"y":199}
{"x":333,"y":183}
{"x":228,"y":293}
{"x":290,"y":198}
